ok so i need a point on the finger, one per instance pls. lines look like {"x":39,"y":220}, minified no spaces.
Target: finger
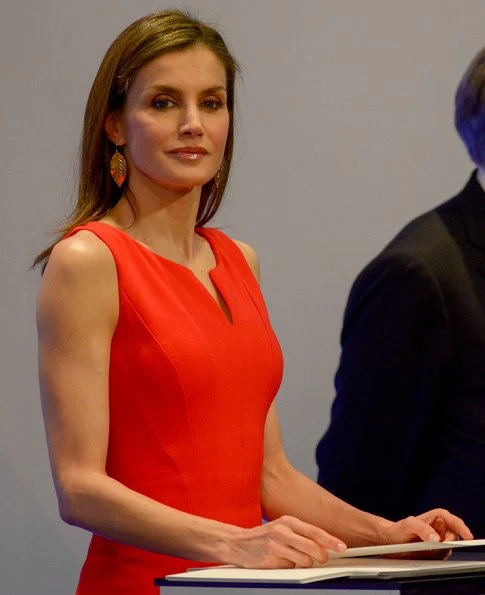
{"x":439,"y":526}
{"x":416,"y":526}
{"x":286,"y":556}
{"x":424,"y":555}
{"x":434,"y":554}
{"x":310,"y":548}
{"x":291,"y":533}
{"x":451,"y":536}
{"x":313,"y":533}
{"x":450,"y":521}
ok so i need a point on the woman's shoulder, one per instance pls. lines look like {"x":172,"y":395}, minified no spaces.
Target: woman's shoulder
{"x":78,"y":289}
{"x":248,"y":252}
{"x":80,"y":256}
{"x":80,"y":279}
{"x":250,"y":255}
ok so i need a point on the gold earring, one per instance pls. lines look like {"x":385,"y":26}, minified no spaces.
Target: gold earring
{"x":118,"y":168}
{"x":220,"y":172}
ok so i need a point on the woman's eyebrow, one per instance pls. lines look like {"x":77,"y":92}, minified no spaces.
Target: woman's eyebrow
{"x":175,"y":91}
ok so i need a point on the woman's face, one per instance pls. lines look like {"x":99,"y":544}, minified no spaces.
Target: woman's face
{"x":174,"y":125}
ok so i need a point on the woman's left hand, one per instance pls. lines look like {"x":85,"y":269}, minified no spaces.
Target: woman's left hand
{"x":435,"y":525}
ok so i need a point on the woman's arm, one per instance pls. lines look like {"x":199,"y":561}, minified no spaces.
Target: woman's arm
{"x":287,"y":495}
{"x":286,"y":491}
{"x":77,"y":314}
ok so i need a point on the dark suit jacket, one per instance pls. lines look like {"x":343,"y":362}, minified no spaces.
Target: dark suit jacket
{"x":407,"y":430}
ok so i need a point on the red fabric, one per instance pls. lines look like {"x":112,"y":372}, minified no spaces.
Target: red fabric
{"x":189,"y":394}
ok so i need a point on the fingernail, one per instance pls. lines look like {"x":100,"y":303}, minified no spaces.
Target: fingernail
{"x":341,"y":547}
{"x":434,"y":537}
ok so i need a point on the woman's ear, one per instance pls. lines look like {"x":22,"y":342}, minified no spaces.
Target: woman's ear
{"x":112,"y":127}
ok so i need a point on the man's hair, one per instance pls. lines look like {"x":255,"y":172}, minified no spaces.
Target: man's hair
{"x":470,"y":108}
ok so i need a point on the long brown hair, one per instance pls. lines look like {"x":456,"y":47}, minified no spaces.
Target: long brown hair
{"x":142,"y":41}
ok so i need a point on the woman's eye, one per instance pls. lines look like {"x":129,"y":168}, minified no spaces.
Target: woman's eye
{"x":212,"y":104}
{"x":162,"y":103}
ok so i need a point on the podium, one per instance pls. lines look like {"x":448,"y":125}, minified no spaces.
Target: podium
{"x":457,"y":584}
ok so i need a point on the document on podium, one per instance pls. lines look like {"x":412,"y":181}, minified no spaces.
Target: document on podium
{"x":348,"y":565}
{"x":403,"y":548}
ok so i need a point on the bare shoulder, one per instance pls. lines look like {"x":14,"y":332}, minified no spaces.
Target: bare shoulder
{"x":251,"y":256}
{"x":79,"y":255}
{"x":80,"y":273}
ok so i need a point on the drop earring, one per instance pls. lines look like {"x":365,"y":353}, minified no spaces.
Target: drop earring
{"x":220,"y":172}
{"x":118,"y":168}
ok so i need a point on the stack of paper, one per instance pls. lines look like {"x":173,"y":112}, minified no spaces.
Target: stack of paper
{"x":351,"y":563}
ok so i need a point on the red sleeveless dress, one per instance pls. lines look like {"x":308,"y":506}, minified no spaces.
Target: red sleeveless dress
{"x":189,"y":391}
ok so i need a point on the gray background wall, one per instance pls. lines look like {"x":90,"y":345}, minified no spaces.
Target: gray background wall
{"x":345,"y":132}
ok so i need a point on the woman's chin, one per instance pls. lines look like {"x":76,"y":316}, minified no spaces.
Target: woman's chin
{"x":179,"y":187}
{"x":184,"y":185}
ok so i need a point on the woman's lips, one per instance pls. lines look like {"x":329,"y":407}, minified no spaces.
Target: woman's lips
{"x":189,"y":153}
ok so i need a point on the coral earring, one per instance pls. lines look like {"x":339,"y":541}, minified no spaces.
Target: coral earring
{"x":117,"y":168}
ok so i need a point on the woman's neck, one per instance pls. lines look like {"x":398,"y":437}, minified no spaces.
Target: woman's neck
{"x":164,"y":221}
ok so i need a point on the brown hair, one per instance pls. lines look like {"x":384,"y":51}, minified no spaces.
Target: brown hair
{"x":142,"y":41}
{"x":470,"y":108}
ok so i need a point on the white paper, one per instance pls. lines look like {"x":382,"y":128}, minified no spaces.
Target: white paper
{"x":402,"y":548}
{"x":358,"y":567}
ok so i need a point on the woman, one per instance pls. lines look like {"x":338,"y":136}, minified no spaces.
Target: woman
{"x":158,"y":364}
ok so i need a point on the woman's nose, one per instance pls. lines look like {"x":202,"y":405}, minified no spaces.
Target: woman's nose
{"x":191,"y":124}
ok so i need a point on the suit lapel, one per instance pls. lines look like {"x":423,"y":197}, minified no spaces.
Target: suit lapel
{"x":472,"y":199}
{"x":472,"y":202}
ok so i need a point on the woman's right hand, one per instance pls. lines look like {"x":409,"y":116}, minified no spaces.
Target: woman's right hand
{"x":283,"y":543}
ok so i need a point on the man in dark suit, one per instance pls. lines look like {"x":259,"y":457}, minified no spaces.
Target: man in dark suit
{"x":407,"y":429}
